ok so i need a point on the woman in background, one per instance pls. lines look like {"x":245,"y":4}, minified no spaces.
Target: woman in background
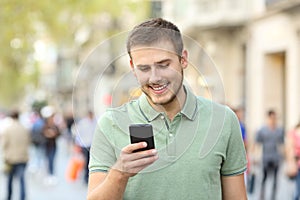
{"x":293,"y":156}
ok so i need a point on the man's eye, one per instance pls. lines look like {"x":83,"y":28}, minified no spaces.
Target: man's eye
{"x":162,"y":66}
{"x":144,"y":68}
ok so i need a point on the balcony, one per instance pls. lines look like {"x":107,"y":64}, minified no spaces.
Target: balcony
{"x":207,"y":13}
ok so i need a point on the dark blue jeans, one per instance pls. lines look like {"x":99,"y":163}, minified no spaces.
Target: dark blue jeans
{"x":268,"y":167}
{"x":50,"y":153}
{"x":16,"y":170}
{"x":86,"y":153}
{"x":297,"y":194}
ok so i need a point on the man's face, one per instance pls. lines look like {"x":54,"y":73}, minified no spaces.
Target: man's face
{"x":272,"y":120}
{"x":159,"y":71}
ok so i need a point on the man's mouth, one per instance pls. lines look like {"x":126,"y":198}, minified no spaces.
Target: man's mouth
{"x":158,"y":89}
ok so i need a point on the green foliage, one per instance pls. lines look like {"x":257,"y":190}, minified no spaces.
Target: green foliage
{"x":38,"y":105}
{"x":23,"y":22}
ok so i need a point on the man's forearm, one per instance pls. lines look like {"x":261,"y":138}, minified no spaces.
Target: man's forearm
{"x":112,"y":187}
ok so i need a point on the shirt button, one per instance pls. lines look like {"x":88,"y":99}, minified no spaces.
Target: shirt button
{"x":162,"y":117}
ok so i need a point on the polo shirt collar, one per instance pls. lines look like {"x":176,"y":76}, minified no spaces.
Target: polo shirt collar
{"x":189,"y":109}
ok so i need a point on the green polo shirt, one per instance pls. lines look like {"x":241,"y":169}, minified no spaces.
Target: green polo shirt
{"x":201,"y":144}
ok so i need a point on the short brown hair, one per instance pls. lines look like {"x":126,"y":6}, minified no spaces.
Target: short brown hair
{"x":14,"y":114}
{"x":153,"y":31}
{"x":271,"y":113}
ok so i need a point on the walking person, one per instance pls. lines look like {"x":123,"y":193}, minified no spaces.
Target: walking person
{"x":292,"y":147}
{"x":38,"y":140}
{"x":239,"y":111}
{"x":84,"y":137}
{"x":271,"y":137}
{"x":240,"y":115}
{"x":15,"y":146}
{"x":199,"y":151}
{"x":51,"y":133}
{"x":68,"y":123}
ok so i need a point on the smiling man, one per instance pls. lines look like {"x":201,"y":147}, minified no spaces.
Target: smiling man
{"x":199,"y":152}
{"x":160,"y":75}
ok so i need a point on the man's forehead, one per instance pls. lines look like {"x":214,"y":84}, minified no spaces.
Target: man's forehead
{"x":158,"y":46}
{"x":152,"y":55}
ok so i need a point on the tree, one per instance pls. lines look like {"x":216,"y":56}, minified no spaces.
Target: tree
{"x":24,"y":22}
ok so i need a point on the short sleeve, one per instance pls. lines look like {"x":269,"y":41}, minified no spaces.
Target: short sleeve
{"x":102,"y":154}
{"x":235,"y":161}
{"x":281,"y":136}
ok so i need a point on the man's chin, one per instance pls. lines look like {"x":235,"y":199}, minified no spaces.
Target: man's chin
{"x":157,"y":101}
{"x":162,"y":101}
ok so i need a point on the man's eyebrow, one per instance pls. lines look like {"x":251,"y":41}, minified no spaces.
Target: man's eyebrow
{"x":156,"y":63}
{"x":163,"y":61}
{"x":142,"y":66}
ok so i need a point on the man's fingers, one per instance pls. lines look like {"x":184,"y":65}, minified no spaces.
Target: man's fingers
{"x":137,"y":165}
{"x":132,"y":163}
{"x":129,"y":157}
{"x":143,"y":154}
{"x":132,"y":147}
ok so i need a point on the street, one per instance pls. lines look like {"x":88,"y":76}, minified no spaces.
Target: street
{"x":285,"y":187}
{"x":38,"y":189}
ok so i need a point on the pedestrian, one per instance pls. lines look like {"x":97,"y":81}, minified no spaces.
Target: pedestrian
{"x":38,"y":140}
{"x":239,"y":111}
{"x":271,"y":138}
{"x":15,"y":145}
{"x":69,"y":122}
{"x":51,"y":133}
{"x":84,"y":137}
{"x":199,"y":152}
{"x":292,"y":145}
{"x":240,"y":115}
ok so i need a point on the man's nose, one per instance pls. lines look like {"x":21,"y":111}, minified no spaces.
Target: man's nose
{"x":155,"y":76}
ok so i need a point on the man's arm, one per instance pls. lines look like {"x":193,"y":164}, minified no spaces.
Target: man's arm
{"x":233,"y":187}
{"x":3,"y":141}
{"x":112,"y":185}
{"x":108,"y":186}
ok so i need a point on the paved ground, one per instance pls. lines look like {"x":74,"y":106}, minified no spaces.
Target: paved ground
{"x":285,"y":188}
{"x":39,"y":189}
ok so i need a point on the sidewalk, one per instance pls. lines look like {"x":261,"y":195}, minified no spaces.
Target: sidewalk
{"x":285,"y":187}
{"x":39,"y":189}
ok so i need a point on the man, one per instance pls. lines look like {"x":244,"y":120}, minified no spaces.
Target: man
{"x":199,"y":153}
{"x":270,"y":136}
{"x":15,"y":144}
{"x":85,"y":131}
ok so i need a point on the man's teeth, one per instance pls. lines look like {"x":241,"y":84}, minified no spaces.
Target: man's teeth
{"x":159,"y":88}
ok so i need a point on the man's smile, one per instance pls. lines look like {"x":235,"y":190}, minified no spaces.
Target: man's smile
{"x":159,"y":89}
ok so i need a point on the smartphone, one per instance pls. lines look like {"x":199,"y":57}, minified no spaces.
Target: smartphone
{"x":142,"y":133}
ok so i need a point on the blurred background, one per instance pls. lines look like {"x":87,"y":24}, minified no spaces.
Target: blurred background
{"x":254,"y":46}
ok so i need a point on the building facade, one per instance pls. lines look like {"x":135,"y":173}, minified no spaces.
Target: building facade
{"x":255,"y":46}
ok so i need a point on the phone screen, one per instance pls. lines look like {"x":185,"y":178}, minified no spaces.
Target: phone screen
{"x":142,"y":133}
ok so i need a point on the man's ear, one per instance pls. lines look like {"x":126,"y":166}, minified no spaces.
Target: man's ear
{"x":132,"y":66}
{"x":184,"y":59}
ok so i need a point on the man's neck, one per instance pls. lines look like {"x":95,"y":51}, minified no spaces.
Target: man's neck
{"x":272,"y":126}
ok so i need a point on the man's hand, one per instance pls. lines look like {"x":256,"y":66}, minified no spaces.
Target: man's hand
{"x":129,"y":163}
{"x":112,"y":185}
